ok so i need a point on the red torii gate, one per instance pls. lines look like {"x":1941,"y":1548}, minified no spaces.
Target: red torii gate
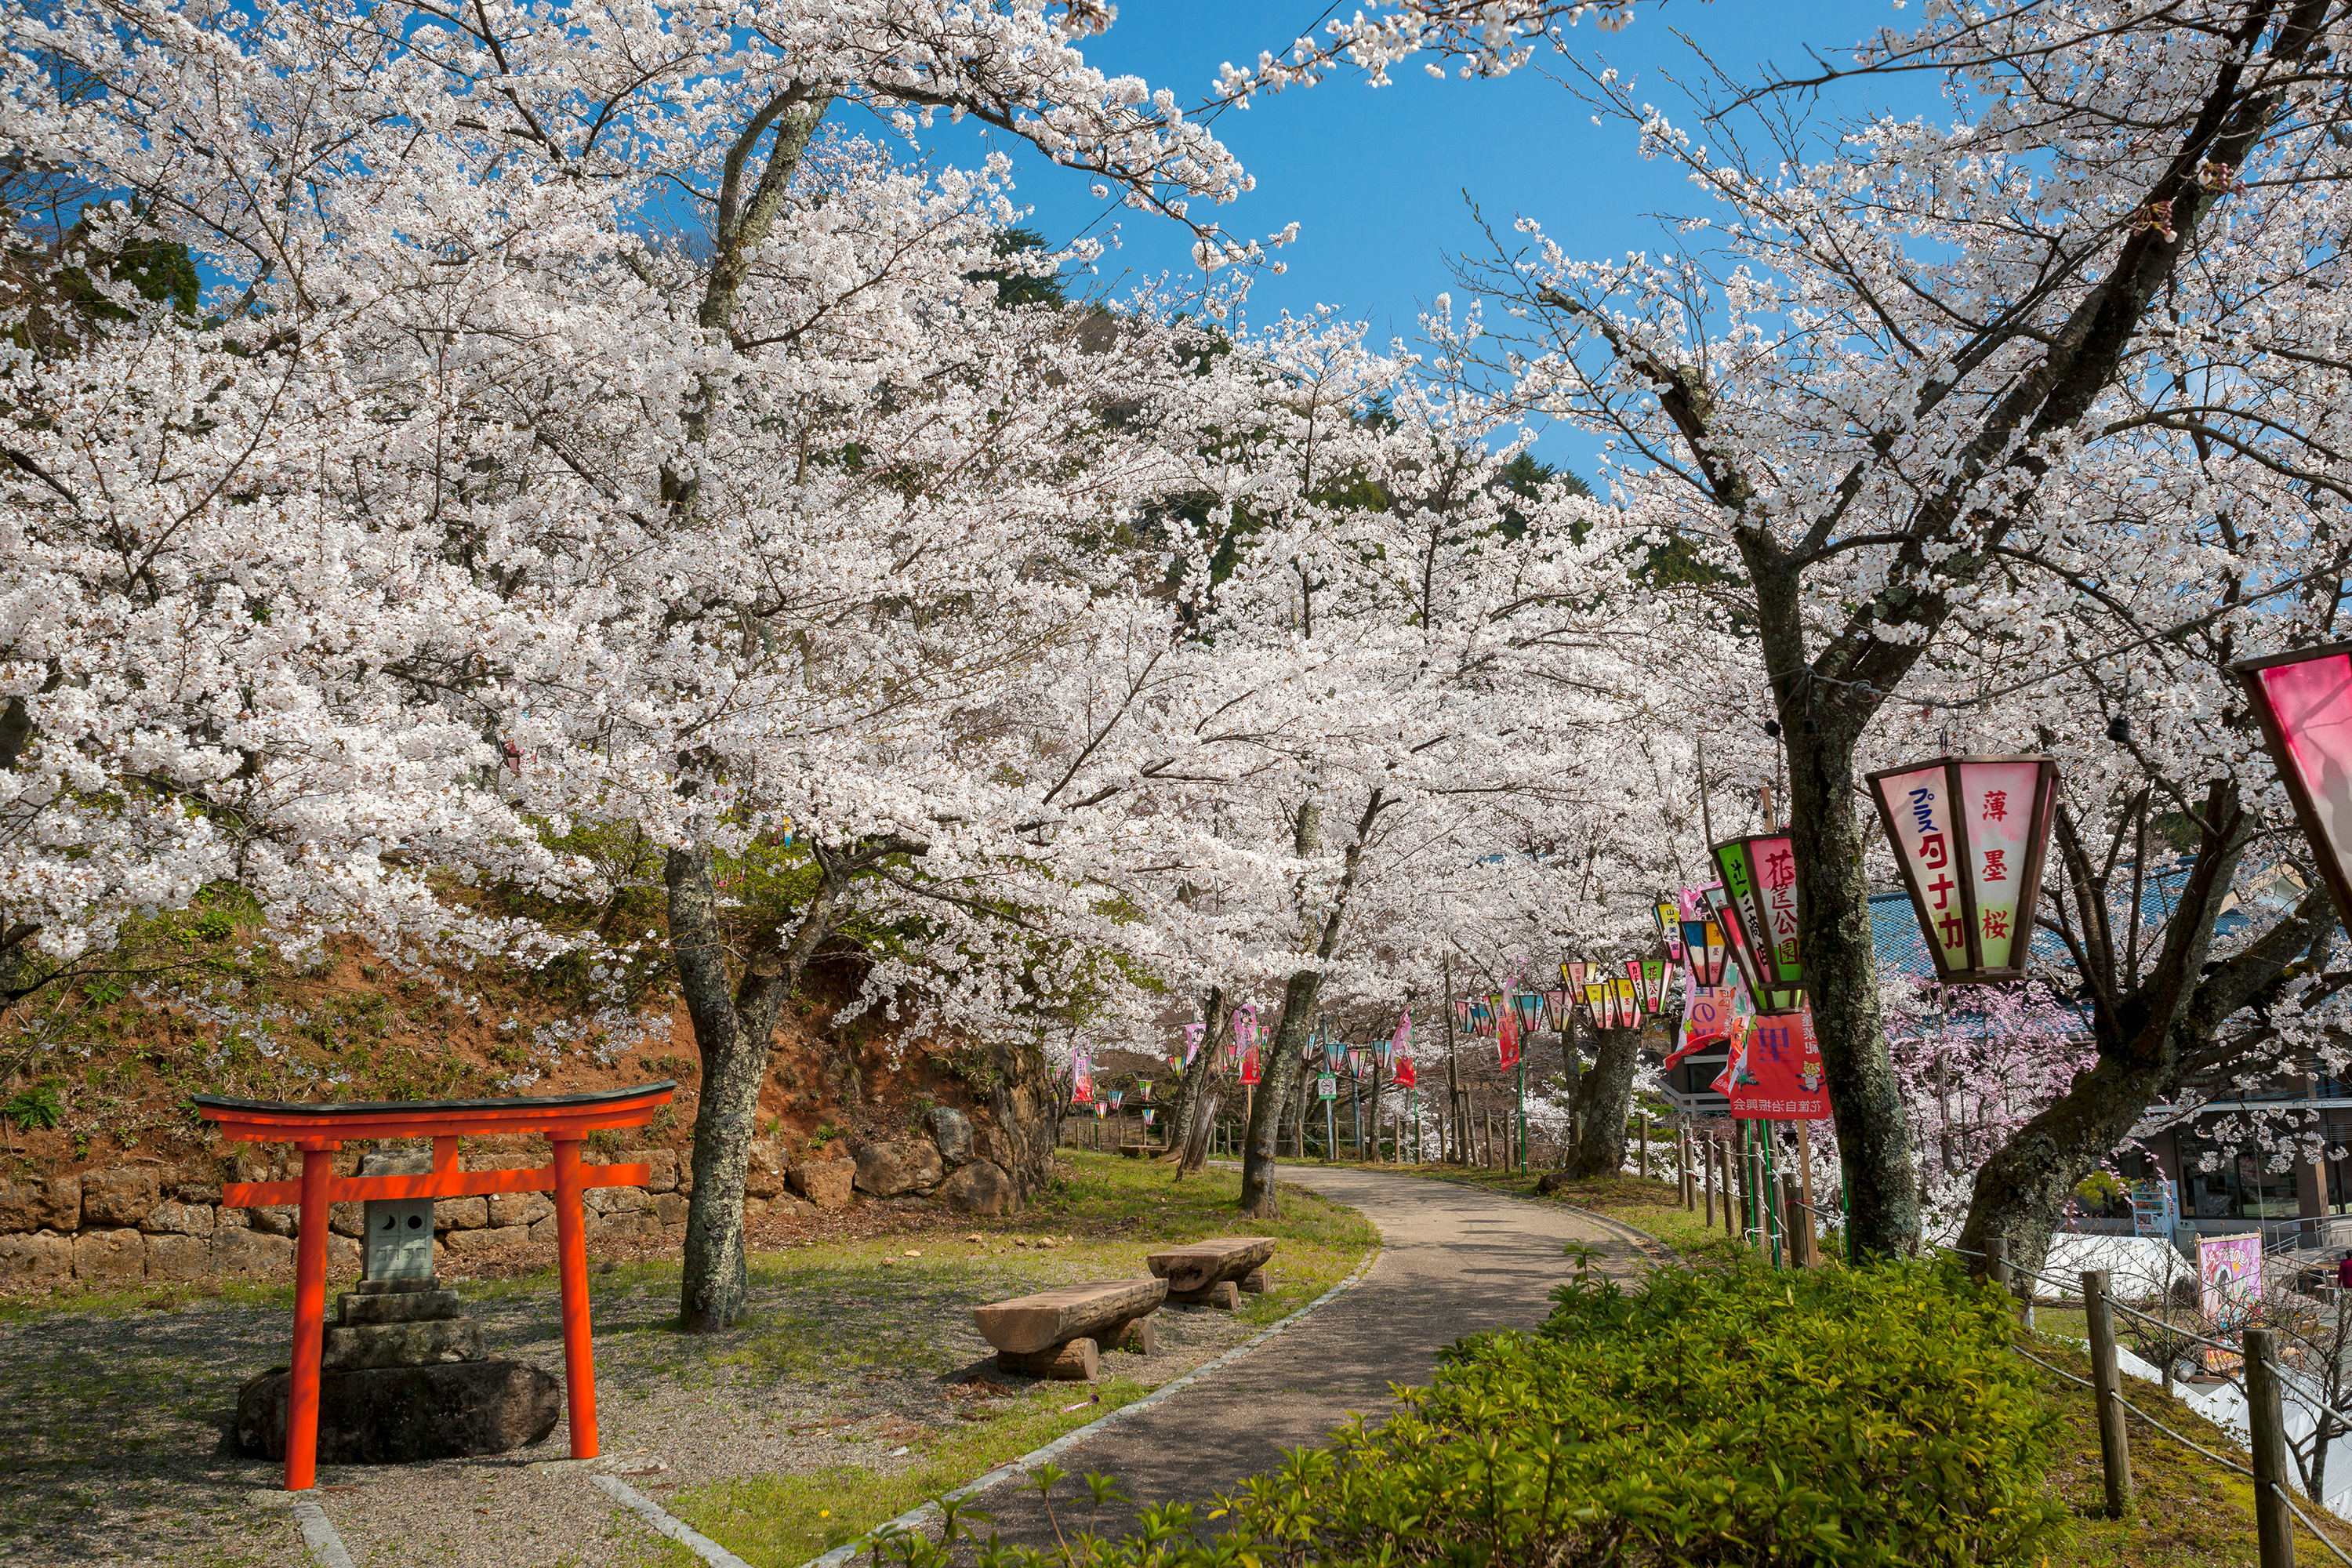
{"x":319,"y":1130}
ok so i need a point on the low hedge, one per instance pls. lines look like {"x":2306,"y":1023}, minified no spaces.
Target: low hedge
{"x":1732,"y":1417}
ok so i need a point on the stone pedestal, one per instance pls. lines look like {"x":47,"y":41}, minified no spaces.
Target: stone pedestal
{"x":403,"y":1376}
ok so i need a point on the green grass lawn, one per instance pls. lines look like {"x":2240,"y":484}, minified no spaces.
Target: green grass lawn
{"x":1113,"y":1212}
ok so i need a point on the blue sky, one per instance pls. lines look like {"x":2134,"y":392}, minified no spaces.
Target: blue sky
{"x":1376,"y":178}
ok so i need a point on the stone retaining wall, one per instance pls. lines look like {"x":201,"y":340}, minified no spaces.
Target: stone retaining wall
{"x":115,"y":1229}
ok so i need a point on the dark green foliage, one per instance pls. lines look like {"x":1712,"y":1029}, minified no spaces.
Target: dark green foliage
{"x":1737,"y":1416}
{"x":1015,"y":286}
{"x":1525,"y":476}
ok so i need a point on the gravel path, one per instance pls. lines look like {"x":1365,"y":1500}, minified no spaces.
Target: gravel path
{"x":1453,"y":1261}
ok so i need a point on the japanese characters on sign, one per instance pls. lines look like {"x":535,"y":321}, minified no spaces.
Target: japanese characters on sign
{"x":1969,"y":834}
{"x":1757,"y":907}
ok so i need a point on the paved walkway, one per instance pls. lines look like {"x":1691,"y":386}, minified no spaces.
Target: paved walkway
{"x":1453,"y":1261}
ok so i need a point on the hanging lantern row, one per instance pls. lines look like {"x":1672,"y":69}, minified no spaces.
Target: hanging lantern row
{"x":1969,"y":834}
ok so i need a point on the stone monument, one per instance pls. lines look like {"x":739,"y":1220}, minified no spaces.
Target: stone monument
{"x":403,"y":1373}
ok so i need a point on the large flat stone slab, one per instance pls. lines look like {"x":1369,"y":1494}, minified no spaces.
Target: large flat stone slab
{"x":392,"y":1415}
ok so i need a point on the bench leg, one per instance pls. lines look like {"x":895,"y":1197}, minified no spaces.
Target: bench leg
{"x":1072,"y":1361}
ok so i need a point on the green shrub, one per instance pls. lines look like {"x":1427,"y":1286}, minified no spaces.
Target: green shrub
{"x":1737,"y":1416}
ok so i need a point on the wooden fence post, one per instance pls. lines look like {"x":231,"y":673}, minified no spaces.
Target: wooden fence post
{"x":2266,"y":1416}
{"x":1797,"y":1221}
{"x":1705,"y":1163}
{"x":2115,"y":1438}
{"x":1730,"y":1207}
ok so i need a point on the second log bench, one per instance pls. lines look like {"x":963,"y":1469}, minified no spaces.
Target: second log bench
{"x":1062,"y":1333}
{"x":1214,"y":1272}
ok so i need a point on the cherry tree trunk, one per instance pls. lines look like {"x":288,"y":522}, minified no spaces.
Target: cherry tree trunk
{"x":2022,"y":1191}
{"x":732,"y":1032}
{"x":1882,"y":1186}
{"x":1282,"y":1070}
{"x":1218,"y":1013}
{"x":1605,"y":1097}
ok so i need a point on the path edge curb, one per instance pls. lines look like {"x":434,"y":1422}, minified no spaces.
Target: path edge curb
{"x":661,"y":1520}
{"x":319,"y":1537}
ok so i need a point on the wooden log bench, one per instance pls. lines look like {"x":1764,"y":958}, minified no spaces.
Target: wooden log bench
{"x":1062,"y":1333}
{"x":1212,"y":1273}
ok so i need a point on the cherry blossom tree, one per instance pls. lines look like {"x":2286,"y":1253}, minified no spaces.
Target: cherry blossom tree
{"x":2025,"y":381}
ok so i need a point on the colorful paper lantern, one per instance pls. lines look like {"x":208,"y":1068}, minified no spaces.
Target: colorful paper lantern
{"x":1649,"y":978}
{"x":1628,"y":998}
{"x":2304,"y":701}
{"x":1760,"y":897}
{"x":1670,"y":928}
{"x":1529,"y":1006}
{"x":1560,"y":1006}
{"x":1597,"y":994}
{"x":1969,"y":834}
{"x":1705,"y":952}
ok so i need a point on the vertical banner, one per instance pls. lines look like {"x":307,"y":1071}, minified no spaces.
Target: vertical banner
{"x":1405,"y":1075}
{"x":1082,"y":1079}
{"x":1249,"y":1065}
{"x":1192,"y":1033}
{"x":1507,"y":1037}
{"x":2230,"y":1274}
{"x":1781,"y":1071}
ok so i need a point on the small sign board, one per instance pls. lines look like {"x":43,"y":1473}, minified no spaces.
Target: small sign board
{"x":399,"y":1238}
{"x":399,"y":1230}
{"x":1327,"y":1086}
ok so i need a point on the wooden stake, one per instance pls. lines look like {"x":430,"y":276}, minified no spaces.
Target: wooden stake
{"x":2266,"y":1415}
{"x":2114,"y":1439}
{"x":1805,"y":1191}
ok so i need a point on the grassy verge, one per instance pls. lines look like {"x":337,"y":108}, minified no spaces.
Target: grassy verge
{"x":2189,"y":1512}
{"x":1103,"y":1218}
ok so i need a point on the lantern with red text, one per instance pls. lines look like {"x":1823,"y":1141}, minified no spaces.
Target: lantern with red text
{"x":1970,"y":832}
{"x":1649,"y":978}
{"x":1670,"y":927}
{"x":1758,"y":903}
{"x":1628,"y":998}
{"x":2304,"y":700}
{"x":1559,"y":1007}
